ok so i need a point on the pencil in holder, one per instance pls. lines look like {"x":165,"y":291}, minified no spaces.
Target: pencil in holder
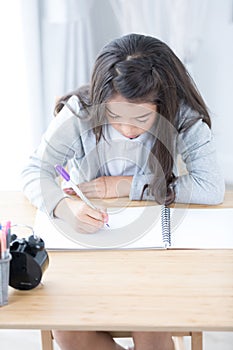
{"x":4,"y":279}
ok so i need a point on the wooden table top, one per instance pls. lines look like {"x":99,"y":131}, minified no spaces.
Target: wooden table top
{"x":178,"y":290}
{"x":14,"y":206}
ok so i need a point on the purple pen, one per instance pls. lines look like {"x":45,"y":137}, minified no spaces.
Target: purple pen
{"x":62,"y":172}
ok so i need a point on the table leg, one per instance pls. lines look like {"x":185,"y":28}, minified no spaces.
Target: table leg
{"x":46,"y":340}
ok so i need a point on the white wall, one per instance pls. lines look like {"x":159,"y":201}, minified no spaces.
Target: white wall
{"x":212,"y":70}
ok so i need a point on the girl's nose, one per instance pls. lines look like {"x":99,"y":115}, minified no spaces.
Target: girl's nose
{"x":128,"y":130}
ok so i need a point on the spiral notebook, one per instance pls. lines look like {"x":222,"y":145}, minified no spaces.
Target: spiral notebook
{"x":155,"y":227}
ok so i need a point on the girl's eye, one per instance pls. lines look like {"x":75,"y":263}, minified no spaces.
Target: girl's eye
{"x":143,"y":120}
{"x":113,"y":116}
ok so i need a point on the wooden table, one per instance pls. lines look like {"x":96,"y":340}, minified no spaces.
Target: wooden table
{"x":174,"y":290}
{"x":128,"y":290}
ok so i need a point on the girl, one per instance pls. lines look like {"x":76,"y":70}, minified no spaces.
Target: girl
{"x":122,"y":135}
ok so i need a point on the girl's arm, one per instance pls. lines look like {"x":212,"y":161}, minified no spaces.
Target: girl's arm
{"x":58,"y":144}
{"x":116,"y":186}
{"x":203,"y":183}
{"x":107,"y":187}
{"x":40,"y":184}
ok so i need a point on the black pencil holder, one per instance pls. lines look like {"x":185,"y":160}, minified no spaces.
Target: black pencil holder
{"x":28,"y":263}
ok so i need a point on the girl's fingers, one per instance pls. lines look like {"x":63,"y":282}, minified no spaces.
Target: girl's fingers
{"x":69,"y":191}
{"x":79,"y":215}
{"x":91,"y":217}
{"x":105,"y":216}
{"x":95,"y":214}
{"x":86,"y":228}
{"x":95,"y":188}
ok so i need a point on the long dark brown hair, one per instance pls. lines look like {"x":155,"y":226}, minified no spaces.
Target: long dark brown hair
{"x":143,"y":69}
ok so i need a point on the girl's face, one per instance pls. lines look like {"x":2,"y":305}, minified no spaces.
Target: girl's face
{"x":130,"y":119}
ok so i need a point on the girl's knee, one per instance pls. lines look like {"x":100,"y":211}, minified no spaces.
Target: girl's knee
{"x":152,"y":340}
{"x":73,"y":339}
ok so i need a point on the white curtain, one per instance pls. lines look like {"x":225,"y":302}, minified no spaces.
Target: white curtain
{"x":177,"y":22}
{"x":49,"y":47}
{"x":62,"y":40}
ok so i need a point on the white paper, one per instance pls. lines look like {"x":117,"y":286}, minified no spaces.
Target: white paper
{"x":202,"y":228}
{"x":135,"y":227}
{"x":140,"y":227}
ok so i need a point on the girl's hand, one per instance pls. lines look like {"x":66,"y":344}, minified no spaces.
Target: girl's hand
{"x":107,"y":187}
{"x":80,"y":216}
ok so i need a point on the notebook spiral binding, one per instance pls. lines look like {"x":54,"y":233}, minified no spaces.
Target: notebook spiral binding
{"x":166,"y":228}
